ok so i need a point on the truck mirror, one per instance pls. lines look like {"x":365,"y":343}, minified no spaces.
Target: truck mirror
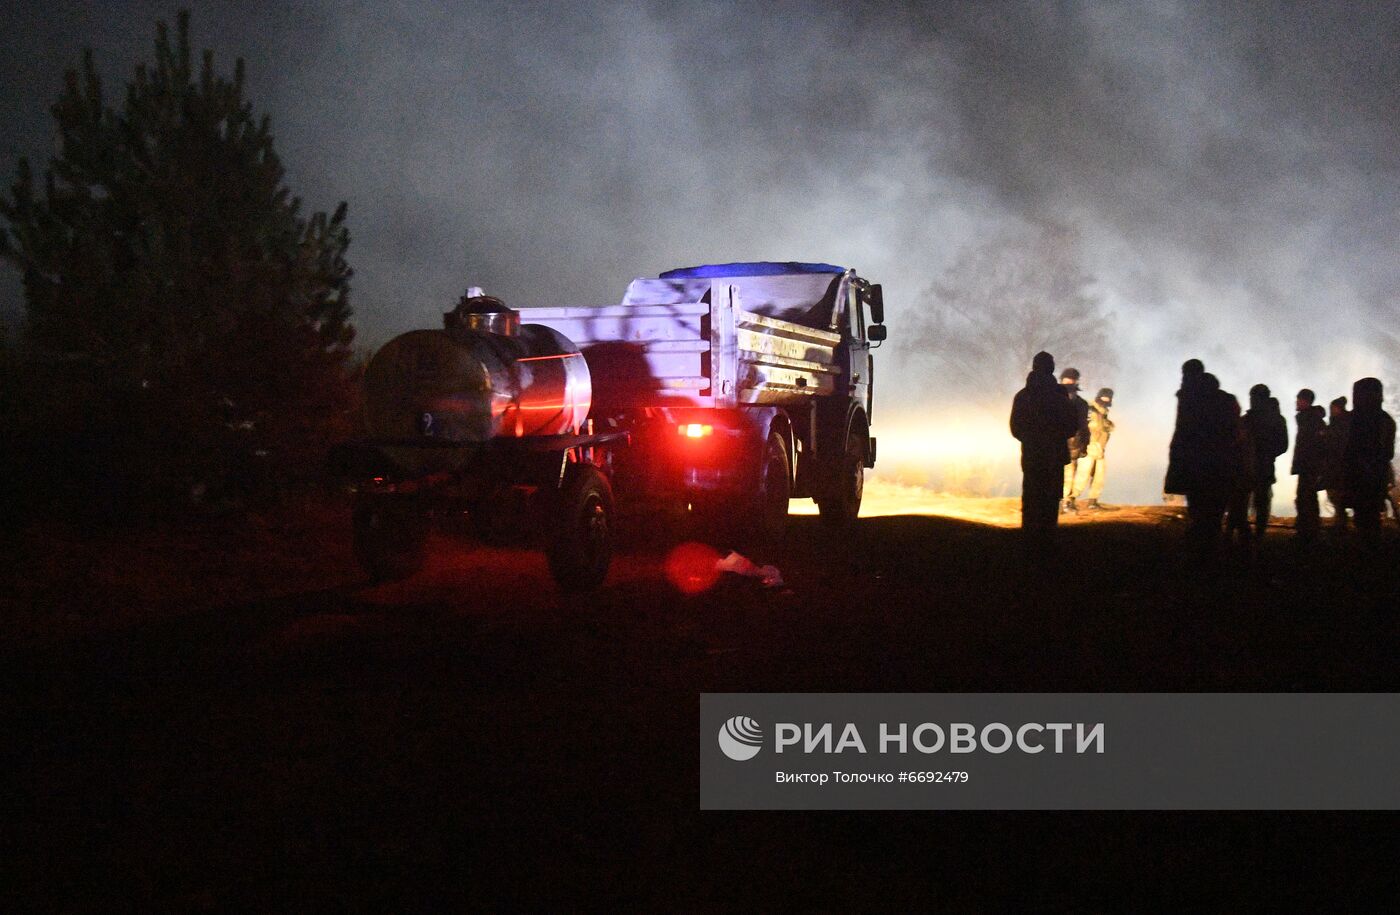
{"x":875,"y":298}
{"x":876,"y":332}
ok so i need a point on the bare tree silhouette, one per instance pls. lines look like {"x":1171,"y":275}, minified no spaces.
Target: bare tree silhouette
{"x":1005,"y":299}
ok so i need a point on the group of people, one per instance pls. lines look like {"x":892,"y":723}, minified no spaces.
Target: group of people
{"x":1221,"y":459}
{"x":1087,"y":469}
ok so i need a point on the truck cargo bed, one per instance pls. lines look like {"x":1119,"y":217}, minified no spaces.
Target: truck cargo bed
{"x":703,"y":354}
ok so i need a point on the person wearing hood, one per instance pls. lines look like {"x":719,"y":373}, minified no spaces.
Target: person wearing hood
{"x":1094,"y":466}
{"x":1184,"y":455}
{"x":1334,"y":447}
{"x":1309,"y":458}
{"x":1265,"y":437}
{"x":1079,"y":442}
{"x":1366,"y":459}
{"x":1042,"y":420}
{"x":1209,"y":469}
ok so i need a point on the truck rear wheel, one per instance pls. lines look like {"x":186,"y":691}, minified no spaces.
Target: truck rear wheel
{"x":774,"y":489}
{"x":756,"y":517}
{"x":389,"y":537}
{"x":580,"y":534}
{"x":840,"y":505}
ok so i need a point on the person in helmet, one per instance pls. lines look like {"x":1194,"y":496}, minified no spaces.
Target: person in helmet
{"x":1093,"y":467}
{"x":1078,"y":442}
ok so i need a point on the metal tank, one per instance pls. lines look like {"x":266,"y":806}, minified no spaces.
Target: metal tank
{"x":484,"y":376}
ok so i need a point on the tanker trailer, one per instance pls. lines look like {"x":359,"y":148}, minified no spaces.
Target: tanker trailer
{"x":489,"y":417}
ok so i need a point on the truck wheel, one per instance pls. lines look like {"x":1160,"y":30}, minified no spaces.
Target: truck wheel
{"x":755,"y":518}
{"x":580,"y":535}
{"x":774,"y":489}
{"x":388,"y":538}
{"x":840,"y":505}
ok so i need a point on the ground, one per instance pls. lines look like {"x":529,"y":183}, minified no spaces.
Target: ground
{"x":227,"y":710}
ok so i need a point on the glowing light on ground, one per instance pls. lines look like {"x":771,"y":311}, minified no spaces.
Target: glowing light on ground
{"x":972,"y":455}
{"x":949,"y":436}
{"x":693,"y":567}
{"x":884,"y":499}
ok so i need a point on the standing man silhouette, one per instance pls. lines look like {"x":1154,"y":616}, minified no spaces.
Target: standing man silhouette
{"x":1369,"y":450}
{"x":1042,"y":420}
{"x":1335,"y":446}
{"x":1309,"y":457}
{"x":1268,"y":438}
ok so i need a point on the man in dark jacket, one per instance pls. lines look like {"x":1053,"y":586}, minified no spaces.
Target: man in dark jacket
{"x":1211,"y":468}
{"x":1079,"y":441}
{"x":1042,"y":420}
{"x":1309,"y":456}
{"x":1267,"y":436}
{"x":1369,"y":450}
{"x":1335,"y":446}
{"x":1183,"y":456}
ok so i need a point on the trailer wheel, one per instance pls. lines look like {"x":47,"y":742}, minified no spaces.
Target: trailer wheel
{"x":389,"y":537}
{"x":580,"y":535}
{"x":840,"y":506}
{"x":775,"y":489}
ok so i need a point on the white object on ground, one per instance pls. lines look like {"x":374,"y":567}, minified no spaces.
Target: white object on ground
{"x":742,"y":565}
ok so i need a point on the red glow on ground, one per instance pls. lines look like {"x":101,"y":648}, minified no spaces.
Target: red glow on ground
{"x":691,"y":567}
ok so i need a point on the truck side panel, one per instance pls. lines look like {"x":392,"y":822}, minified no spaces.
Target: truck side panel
{"x":639,"y":355}
{"x":698,"y":354}
{"x":782,"y":363}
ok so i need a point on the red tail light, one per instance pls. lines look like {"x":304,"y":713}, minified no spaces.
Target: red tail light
{"x":695,"y":430}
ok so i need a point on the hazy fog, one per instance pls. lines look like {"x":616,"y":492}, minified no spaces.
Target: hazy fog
{"x":1234,"y":169}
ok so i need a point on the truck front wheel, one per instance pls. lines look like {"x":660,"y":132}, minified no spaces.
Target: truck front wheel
{"x":840,"y":505}
{"x":580,"y":534}
{"x":389,"y":537}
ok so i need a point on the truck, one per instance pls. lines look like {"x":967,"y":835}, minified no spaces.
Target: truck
{"x":722,"y":391}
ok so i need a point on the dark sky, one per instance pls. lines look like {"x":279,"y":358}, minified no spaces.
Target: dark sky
{"x":1234,"y":168}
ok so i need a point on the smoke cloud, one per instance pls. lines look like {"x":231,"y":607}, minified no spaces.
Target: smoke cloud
{"x":1233,"y":170}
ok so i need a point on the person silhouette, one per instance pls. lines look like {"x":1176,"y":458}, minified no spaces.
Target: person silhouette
{"x":1218,"y":463}
{"x":1092,"y":474}
{"x":1366,"y":460}
{"x":1183,"y":455}
{"x":1078,"y":443}
{"x":1267,"y":436}
{"x":1334,"y":449}
{"x":1042,"y":420}
{"x":1203,"y":460}
{"x":1309,"y":459}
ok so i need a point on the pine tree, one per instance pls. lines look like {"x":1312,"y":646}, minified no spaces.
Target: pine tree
{"x":182,"y":317}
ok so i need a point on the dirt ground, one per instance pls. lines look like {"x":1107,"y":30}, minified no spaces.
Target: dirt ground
{"x":228,"y":712}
